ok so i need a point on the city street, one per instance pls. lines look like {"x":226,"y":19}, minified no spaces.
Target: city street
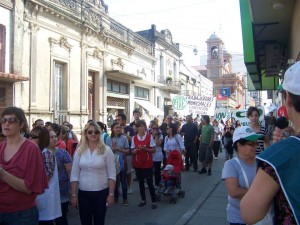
{"x":204,"y":203}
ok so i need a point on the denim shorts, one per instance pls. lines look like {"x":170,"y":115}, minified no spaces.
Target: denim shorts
{"x":24,"y":217}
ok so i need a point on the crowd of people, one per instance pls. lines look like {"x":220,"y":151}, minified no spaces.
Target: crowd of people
{"x":45,"y":170}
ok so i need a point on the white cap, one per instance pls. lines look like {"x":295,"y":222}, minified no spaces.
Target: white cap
{"x":292,"y":79}
{"x":246,"y":133}
{"x":169,"y":167}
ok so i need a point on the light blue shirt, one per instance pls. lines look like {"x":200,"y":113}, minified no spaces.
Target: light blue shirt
{"x":233,"y":169}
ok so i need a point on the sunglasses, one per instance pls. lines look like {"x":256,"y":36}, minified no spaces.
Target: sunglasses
{"x":33,"y":136}
{"x":93,"y":132}
{"x":9,"y":120}
{"x":252,"y":143}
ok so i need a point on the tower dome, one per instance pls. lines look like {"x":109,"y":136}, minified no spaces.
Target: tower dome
{"x":213,"y":36}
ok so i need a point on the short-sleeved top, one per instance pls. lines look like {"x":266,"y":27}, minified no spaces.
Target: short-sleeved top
{"x":122,"y":142}
{"x":174,"y":143}
{"x":62,"y":158}
{"x":158,"y":155}
{"x":26,"y":164}
{"x":232,"y":169}
{"x":217,"y":133}
{"x":207,"y":132}
{"x":152,"y":142}
{"x":190,"y":131}
{"x":261,"y":141}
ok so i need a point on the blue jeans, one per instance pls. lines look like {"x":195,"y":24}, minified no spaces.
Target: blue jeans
{"x":24,"y":217}
{"x":121,"y":178}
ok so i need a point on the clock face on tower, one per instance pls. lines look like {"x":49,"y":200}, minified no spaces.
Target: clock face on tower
{"x":214,"y":52}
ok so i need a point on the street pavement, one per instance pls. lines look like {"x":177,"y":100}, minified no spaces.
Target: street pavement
{"x":204,"y":203}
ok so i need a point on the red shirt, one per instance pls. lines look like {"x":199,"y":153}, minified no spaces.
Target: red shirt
{"x":61,"y":144}
{"x":26,"y":164}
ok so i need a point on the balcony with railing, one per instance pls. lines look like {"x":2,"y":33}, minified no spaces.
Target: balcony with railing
{"x":173,"y":86}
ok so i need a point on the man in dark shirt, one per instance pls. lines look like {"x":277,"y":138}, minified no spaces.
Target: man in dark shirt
{"x":136,"y":117}
{"x":190,"y":133}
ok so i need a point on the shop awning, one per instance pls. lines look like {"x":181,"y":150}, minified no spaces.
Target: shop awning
{"x":266,"y":34}
{"x":9,"y":77}
{"x":152,"y":109}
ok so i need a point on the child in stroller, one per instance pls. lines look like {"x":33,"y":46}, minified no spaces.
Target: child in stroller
{"x":171,"y":178}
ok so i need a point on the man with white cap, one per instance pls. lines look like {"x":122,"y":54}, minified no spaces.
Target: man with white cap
{"x":240,"y":171}
{"x":278,"y":177}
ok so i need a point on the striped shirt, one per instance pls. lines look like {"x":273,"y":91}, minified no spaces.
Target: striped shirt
{"x":261,"y":141}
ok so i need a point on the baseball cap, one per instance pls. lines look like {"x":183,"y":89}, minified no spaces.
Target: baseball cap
{"x":292,"y":79}
{"x":245,"y":132}
{"x":169,"y":167}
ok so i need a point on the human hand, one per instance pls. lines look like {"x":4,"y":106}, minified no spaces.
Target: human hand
{"x":74,"y":201}
{"x":109,"y":200}
{"x":277,"y":134}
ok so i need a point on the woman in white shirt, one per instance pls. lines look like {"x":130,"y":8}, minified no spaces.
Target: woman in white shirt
{"x":93,"y":177}
{"x":173,"y":141}
{"x":217,"y":138}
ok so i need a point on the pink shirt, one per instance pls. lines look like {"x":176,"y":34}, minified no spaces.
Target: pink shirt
{"x":26,"y":164}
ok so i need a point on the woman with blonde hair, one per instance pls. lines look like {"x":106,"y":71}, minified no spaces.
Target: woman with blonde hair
{"x":93,"y":177}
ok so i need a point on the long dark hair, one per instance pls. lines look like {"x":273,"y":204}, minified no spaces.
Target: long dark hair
{"x":44,"y":136}
{"x":112,"y":129}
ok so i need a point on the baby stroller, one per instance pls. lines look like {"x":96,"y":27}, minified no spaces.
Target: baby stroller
{"x":170,"y":184}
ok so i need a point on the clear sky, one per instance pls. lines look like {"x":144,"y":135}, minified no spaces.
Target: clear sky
{"x":191,"y":22}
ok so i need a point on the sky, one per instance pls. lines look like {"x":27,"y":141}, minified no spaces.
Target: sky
{"x":191,"y":22}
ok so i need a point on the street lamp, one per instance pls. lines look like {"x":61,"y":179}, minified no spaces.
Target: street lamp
{"x":194,"y":47}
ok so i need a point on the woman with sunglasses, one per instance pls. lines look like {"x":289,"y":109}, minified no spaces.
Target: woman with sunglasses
{"x":119,"y":145}
{"x":93,"y":177}
{"x":143,"y":146}
{"x":173,"y":140}
{"x":22,"y":173}
{"x":240,"y":171}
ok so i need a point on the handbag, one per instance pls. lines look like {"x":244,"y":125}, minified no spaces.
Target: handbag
{"x":269,"y":218}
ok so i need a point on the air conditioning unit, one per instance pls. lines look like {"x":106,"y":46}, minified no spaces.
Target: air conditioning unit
{"x":275,"y":59}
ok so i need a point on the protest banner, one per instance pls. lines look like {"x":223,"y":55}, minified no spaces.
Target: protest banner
{"x":241,"y":115}
{"x":202,"y":105}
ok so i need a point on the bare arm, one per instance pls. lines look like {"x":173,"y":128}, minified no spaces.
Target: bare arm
{"x":68,"y":168}
{"x":111,"y":187}
{"x":234,"y":190}
{"x":255,"y":204}
{"x":15,"y":182}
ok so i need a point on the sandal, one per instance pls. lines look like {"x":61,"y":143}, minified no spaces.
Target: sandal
{"x":142,"y":203}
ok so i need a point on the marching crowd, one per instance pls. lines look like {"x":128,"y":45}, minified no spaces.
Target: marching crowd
{"x":48,"y":168}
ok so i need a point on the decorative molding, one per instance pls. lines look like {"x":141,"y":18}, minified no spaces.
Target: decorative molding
{"x":117,"y":62}
{"x":34,"y":28}
{"x":62,"y":42}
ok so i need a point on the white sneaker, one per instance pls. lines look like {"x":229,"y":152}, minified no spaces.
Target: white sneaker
{"x":129,"y":190}
{"x":216,"y":158}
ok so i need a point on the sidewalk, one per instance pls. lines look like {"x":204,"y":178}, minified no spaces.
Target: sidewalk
{"x":210,"y":208}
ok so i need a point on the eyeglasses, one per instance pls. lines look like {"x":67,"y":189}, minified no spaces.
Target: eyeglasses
{"x":93,"y":132}
{"x":154,"y":128}
{"x":10,"y":120}
{"x":33,"y":136}
{"x":251,"y":143}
